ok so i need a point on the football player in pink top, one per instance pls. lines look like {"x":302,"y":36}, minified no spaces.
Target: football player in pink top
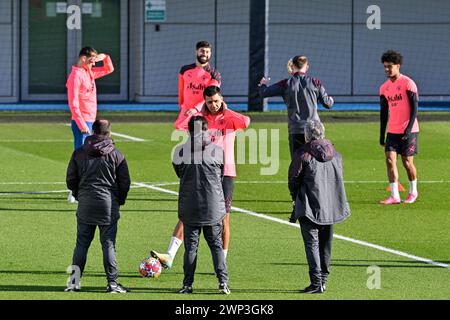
{"x":194,"y":78}
{"x":222,"y":126}
{"x":82,"y":93}
{"x":399,"y":102}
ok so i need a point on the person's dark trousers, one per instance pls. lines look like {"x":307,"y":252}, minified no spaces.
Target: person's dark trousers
{"x":295,"y":141}
{"x":85,"y":235}
{"x":318,"y":242}
{"x":213,"y":236}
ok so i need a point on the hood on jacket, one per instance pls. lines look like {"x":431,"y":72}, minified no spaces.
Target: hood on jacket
{"x":322,"y":150}
{"x":98,"y":145}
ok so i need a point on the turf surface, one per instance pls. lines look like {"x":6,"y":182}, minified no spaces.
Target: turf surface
{"x":266,"y":259}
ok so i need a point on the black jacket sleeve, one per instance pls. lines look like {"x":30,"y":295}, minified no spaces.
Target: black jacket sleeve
{"x":178,"y":169}
{"x":123,"y":181}
{"x":414,"y":105}
{"x":326,"y":100}
{"x":72,"y":178}
{"x":274,"y":90}
{"x":384,"y":114}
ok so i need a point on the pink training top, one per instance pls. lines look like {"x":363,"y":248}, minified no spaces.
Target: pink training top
{"x":82,"y":92}
{"x":399,"y":108}
{"x":222,"y":128}
{"x":192,"y":81}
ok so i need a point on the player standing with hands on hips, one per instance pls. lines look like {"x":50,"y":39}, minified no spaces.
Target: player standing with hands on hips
{"x":82,"y":93}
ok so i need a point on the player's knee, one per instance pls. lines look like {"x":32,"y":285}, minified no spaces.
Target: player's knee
{"x":408,"y":162}
{"x":390,"y":162}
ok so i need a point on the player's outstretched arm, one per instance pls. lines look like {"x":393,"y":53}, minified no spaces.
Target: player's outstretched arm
{"x":326,"y":100}
{"x":274,"y":90}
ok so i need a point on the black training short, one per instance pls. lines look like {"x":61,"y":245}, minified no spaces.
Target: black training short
{"x":407,"y":148}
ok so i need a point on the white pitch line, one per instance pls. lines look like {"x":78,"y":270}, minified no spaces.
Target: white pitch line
{"x":127,"y":137}
{"x":121,"y":135}
{"x":337,"y":236}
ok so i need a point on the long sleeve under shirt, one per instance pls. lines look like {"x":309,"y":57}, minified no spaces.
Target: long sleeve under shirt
{"x":399,"y":103}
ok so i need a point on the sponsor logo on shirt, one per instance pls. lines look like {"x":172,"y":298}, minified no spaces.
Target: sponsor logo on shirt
{"x":396,"y":98}
{"x":196,"y":87}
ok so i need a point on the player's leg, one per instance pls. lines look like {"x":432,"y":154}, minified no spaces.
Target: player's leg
{"x":85,"y":135}
{"x":228,"y":189}
{"x":392,"y":173}
{"x":410,"y":148}
{"x":226,"y":233}
{"x":77,"y":135}
{"x":408,"y":163}
{"x":392,"y":148}
{"x":167,"y":258}
{"x":391,"y":166}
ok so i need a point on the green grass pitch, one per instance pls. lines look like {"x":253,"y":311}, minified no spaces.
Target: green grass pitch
{"x":266,"y":259}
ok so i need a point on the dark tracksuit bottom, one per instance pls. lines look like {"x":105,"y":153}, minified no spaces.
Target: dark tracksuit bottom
{"x":85,"y":235}
{"x":317,"y":240}
{"x":213,"y":236}
{"x":295,"y":141}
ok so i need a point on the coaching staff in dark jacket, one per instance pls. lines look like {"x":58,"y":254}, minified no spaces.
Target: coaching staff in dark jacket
{"x":317,"y":186}
{"x":99,"y":179}
{"x":201,"y":204}
{"x":301,"y":94}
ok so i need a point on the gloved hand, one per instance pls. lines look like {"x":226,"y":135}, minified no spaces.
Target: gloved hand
{"x":292,"y":218}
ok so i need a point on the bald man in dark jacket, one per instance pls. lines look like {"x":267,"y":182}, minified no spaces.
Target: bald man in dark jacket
{"x":99,"y":179}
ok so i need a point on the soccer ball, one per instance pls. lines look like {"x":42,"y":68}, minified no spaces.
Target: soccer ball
{"x":150,"y":268}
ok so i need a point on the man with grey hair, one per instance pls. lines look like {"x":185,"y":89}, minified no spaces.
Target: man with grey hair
{"x":317,"y":186}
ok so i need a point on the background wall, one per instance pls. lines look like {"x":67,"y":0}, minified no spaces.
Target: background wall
{"x":344,"y":54}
